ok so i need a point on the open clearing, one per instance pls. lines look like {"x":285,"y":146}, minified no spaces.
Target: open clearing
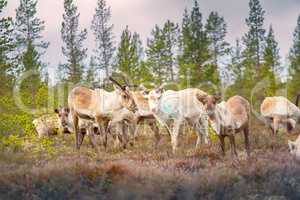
{"x":141,"y":172}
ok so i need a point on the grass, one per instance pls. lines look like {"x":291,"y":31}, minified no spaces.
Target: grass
{"x":142,"y":172}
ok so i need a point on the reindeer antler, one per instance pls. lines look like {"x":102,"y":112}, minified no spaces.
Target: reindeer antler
{"x":117,"y":83}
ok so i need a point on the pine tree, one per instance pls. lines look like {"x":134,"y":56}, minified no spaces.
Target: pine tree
{"x":155,"y":54}
{"x":236,"y":65}
{"x":30,"y":47}
{"x":294,"y":55}
{"x":90,"y":74}
{"x":6,"y":49}
{"x":129,"y":54}
{"x":102,"y":30}
{"x":294,"y":58}
{"x":31,"y":61}
{"x":145,"y":76}
{"x":161,"y":47}
{"x":271,"y":63}
{"x":73,"y":39}
{"x":170,"y":36}
{"x":254,"y":39}
{"x":194,"y":47}
{"x":216,"y":29}
{"x":28,"y":31}
{"x":271,"y":53}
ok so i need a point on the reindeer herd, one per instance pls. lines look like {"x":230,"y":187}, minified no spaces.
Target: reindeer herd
{"x":121,"y":112}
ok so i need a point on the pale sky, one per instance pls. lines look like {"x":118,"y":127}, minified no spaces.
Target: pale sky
{"x":142,"y":15}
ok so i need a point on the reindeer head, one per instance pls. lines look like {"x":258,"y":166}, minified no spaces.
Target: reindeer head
{"x":154,"y":96}
{"x":209,"y":102}
{"x":63,"y":114}
{"x":126,"y":98}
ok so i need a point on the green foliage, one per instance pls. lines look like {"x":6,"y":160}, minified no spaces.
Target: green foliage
{"x":271,"y":64}
{"x":294,"y":58}
{"x":103,"y":33}
{"x":255,"y":37}
{"x":216,"y":29}
{"x":12,"y":142}
{"x":7,"y":46}
{"x":160,"y":52}
{"x":28,"y":33}
{"x":73,"y":40}
{"x":129,"y":55}
{"x":194,"y":45}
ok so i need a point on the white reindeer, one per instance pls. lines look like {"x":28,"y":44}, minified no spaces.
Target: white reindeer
{"x":173,"y":108}
{"x":294,"y":147}
{"x":279,"y":111}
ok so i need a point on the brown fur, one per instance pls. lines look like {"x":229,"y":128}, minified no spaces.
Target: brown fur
{"x":82,"y":97}
{"x":140,"y":100}
{"x":239,"y":109}
{"x":89,"y":104}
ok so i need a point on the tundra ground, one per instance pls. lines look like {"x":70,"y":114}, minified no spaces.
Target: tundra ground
{"x":142,"y":172}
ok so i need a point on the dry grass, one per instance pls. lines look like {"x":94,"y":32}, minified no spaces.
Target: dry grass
{"x":142,"y":172}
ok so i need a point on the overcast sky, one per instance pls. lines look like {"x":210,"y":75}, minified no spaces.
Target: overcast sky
{"x":142,"y":15}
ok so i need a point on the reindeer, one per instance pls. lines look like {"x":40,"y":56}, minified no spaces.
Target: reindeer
{"x":173,"y":108}
{"x":228,"y":118}
{"x":86,"y":127}
{"x":279,"y":111}
{"x":98,"y":105}
{"x":131,"y":122}
{"x":46,"y":125}
{"x":294,"y":148}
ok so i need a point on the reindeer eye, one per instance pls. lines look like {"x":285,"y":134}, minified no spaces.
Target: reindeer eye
{"x":59,"y":115}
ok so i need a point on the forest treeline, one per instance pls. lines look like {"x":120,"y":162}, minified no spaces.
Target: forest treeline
{"x":193,"y":53}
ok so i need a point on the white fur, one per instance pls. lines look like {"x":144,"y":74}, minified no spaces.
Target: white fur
{"x":177,"y":107}
{"x":294,"y":148}
{"x":45,"y":125}
{"x":283,"y":109}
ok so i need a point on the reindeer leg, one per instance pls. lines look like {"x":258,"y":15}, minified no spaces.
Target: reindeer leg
{"x":247,"y":143}
{"x":102,"y":130}
{"x":155,"y":130}
{"x":92,"y":138}
{"x":174,"y":136}
{"x":80,"y":138}
{"x":233,"y":146}
{"x":75,"y":124}
{"x":276,"y":120}
{"x":222,"y":144}
{"x":120,"y":133}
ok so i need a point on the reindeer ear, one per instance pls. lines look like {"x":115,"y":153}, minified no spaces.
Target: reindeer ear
{"x":161,"y":88}
{"x":202,"y":98}
{"x":56,"y":110}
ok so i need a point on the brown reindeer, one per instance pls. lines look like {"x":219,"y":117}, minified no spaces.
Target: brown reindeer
{"x":86,"y":127}
{"x":98,"y":105}
{"x":228,"y":118}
